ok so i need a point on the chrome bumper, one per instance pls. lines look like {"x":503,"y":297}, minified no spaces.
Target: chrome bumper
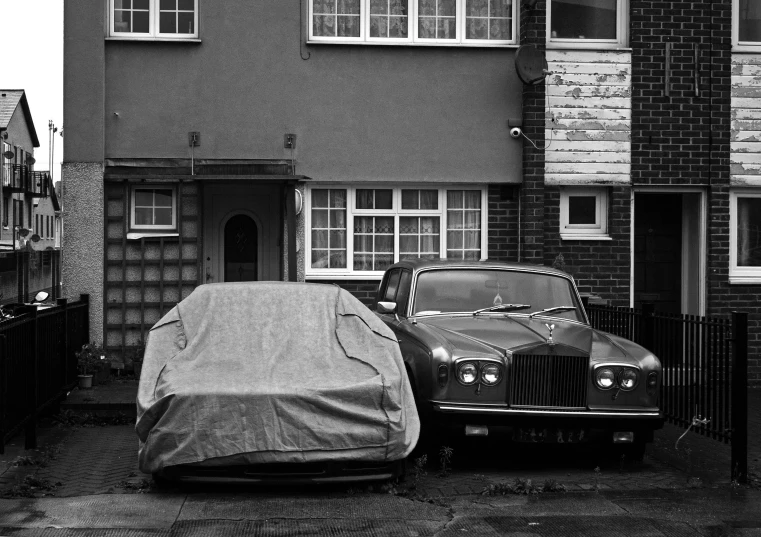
{"x":465,"y":409}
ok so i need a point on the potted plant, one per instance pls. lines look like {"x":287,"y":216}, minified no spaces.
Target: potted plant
{"x":87,"y":359}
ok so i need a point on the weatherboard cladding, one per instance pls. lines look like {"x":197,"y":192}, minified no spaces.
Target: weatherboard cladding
{"x":588,"y":118}
{"x":745,"y":133}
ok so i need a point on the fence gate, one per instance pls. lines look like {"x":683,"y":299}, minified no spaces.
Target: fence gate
{"x":705,"y":364}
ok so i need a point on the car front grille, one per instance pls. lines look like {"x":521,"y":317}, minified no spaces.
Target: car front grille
{"x":549,"y":381}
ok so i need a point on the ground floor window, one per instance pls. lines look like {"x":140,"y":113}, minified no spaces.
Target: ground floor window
{"x":153,"y":208}
{"x":361,"y":231}
{"x":745,"y":236}
{"x":583,"y":213}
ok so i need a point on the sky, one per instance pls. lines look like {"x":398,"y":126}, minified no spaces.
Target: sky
{"x":33,"y":30}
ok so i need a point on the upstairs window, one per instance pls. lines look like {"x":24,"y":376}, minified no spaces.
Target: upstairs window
{"x":153,"y":19}
{"x":587,"y":23}
{"x":746,"y":27}
{"x":414,"y":22}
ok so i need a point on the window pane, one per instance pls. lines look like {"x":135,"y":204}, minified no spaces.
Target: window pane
{"x":749,"y":232}
{"x":186,"y":5}
{"x":489,"y":19}
{"x":584,"y":19}
{"x":140,"y":23}
{"x":163,"y":198}
{"x":388,"y":18}
{"x":328,"y":228}
{"x":374,"y":199}
{"x":168,"y":4}
{"x":143,"y":216}
{"x":384,"y":199}
{"x":364,"y":199}
{"x":163,"y":217}
{"x":393,"y":285}
{"x":373,"y":237}
{"x":168,"y":23}
{"x":464,"y":224}
{"x":186,"y":23}
{"x":143,"y":198}
{"x":750,"y":20}
{"x":582,"y":210}
{"x":419,"y":236}
{"x":437,"y":19}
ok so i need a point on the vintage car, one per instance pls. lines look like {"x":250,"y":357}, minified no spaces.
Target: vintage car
{"x":273,"y":381}
{"x":491,"y":344}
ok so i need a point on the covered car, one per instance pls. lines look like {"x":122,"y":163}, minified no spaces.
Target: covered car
{"x":270,"y":378}
{"x":508,"y":345}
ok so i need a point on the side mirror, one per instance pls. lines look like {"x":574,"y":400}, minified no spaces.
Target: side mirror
{"x":386,"y":307}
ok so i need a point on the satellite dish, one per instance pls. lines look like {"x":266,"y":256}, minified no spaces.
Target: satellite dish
{"x":31,"y":160}
{"x":531,"y":65}
{"x":9,"y":155}
{"x":23,"y":232}
{"x":34,"y":238}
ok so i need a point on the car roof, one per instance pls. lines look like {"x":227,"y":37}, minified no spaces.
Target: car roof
{"x":420,"y":264}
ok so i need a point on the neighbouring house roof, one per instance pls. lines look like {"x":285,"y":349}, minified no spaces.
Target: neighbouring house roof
{"x":9,"y":101}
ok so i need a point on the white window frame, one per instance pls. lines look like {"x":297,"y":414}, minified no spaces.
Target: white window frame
{"x":737,"y":45}
{"x":349,"y":273}
{"x":412,"y":38}
{"x":597,"y":231}
{"x":622,"y":32}
{"x":737,"y":274}
{"x":153,"y":24}
{"x":152,"y":228}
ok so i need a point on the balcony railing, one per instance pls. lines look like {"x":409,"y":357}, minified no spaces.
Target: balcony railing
{"x":20,"y":178}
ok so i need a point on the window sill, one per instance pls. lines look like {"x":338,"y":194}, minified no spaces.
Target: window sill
{"x":414,"y":44}
{"x":150,"y":235}
{"x":745,"y":280}
{"x":344,"y":276}
{"x":156,"y":39}
{"x":588,"y":46}
{"x":574,"y":237}
{"x":747,"y":49}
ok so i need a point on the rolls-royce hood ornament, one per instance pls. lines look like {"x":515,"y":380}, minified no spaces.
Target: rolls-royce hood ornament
{"x":550,"y":327}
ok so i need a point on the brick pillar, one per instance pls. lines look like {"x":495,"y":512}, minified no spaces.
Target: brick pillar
{"x":533,"y":31}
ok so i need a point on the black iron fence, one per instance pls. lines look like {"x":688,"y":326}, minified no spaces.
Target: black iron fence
{"x":37,"y":363}
{"x":705,"y":369}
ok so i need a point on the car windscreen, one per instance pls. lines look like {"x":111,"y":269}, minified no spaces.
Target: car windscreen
{"x":465,"y":290}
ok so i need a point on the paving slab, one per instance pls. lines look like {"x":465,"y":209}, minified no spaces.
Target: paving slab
{"x":83,"y":532}
{"x":140,"y":511}
{"x":300,"y":506}
{"x":314,"y":527}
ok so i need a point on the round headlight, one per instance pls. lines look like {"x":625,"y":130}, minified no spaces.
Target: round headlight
{"x":605,"y":378}
{"x":491,"y":374}
{"x":467,"y":373}
{"x":628,"y":379}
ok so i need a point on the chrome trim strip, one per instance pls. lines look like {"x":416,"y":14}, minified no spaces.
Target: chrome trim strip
{"x":510,"y":411}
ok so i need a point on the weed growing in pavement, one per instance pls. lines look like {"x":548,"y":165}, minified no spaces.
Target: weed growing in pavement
{"x":522,"y":486}
{"x":25,"y":461}
{"x":445,"y":459}
{"x":136,"y":487}
{"x":550,"y":485}
{"x":68,"y":418}
{"x":418,"y":470}
{"x":598,"y":474}
{"x":31,"y":487}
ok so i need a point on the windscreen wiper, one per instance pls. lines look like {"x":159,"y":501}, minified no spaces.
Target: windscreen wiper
{"x":503,"y":307}
{"x":552,"y":310}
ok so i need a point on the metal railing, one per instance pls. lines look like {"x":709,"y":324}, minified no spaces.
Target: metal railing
{"x":705,"y":369}
{"x":18,"y":176}
{"x":37,"y":363}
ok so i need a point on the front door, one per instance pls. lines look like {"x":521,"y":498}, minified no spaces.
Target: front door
{"x":242,"y":233}
{"x":669,"y":251}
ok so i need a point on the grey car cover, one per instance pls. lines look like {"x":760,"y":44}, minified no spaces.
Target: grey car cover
{"x":249,"y":373}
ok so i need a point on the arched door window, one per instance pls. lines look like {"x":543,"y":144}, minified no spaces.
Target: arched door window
{"x":241,"y":249}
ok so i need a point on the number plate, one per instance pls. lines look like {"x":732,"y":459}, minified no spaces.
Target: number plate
{"x":549,"y":436}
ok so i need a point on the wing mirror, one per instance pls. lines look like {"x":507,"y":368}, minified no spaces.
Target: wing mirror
{"x":387,"y":307}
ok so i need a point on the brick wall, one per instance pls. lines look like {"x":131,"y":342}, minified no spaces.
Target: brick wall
{"x":600,"y":267}
{"x":364,"y":290}
{"x":683,"y":138}
{"x":503,"y":222}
